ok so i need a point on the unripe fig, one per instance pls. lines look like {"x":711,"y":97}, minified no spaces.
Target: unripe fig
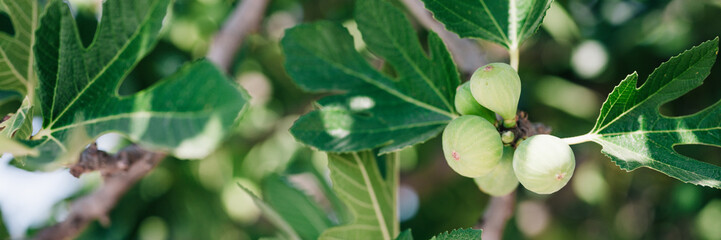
{"x":472,"y":146}
{"x":497,"y":87}
{"x":543,"y":163}
{"x":507,"y":137}
{"x":467,"y":105}
{"x":502,"y":180}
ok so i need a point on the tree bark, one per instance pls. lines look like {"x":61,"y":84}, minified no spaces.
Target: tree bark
{"x":245,"y":19}
{"x":120,"y":172}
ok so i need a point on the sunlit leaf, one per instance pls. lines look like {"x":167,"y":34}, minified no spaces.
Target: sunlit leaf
{"x":634,"y":134}
{"x":373,"y":109}
{"x":506,"y":22}
{"x":369,"y":196}
{"x":16,"y":55}
{"x":186,"y":114}
{"x":459,"y":234}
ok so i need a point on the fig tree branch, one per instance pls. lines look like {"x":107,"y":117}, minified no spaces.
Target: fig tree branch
{"x":119,"y":171}
{"x":497,"y":213}
{"x":243,"y":20}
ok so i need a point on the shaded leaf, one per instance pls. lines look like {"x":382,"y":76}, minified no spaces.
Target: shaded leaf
{"x":506,"y":22}
{"x":634,"y":134}
{"x":405,"y":235}
{"x":186,"y":114}
{"x":373,"y":109}
{"x":358,"y":182}
{"x":16,"y":56}
{"x":286,"y":230}
{"x":297,"y":209}
{"x":459,"y":234}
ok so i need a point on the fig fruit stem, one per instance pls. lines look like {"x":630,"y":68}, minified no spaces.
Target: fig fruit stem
{"x":515,"y":57}
{"x":579,"y":139}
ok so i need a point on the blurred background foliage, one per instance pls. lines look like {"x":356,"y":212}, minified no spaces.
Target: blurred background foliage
{"x":583,"y":49}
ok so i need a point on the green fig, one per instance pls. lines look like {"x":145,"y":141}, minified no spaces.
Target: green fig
{"x":472,"y":146}
{"x":467,"y":105}
{"x":543,"y":163}
{"x":502,"y":180}
{"x":497,"y":87}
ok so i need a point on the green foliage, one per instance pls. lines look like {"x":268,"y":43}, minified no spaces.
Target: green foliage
{"x":299,"y":211}
{"x":370,"y":196}
{"x":405,"y":235}
{"x":7,"y":145}
{"x":506,"y":22}
{"x":634,"y":134}
{"x":286,"y":230}
{"x":16,"y":56}
{"x":374,"y":110}
{"x":460,"y":234}
{"x":78,"y":87}
{"x":16,"y":126}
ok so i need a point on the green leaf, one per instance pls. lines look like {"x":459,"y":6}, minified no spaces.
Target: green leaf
{"x":7,"y":97}
{"x":302,"y":214}
{"x":186,"y":114}
{"x":373,"y":109}
{"x":405,"y":235}
{"x":358,"y":182}
{"x":16,"y":56}
{"x":286,"y":230}
{"x":8,"y":145}
{"x":459,"y":234}
{"x":634,"y":134}
{"x":17,"y":126}
{"x":506,"y":22}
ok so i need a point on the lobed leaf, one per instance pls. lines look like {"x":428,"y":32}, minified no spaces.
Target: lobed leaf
{"x":372,"y":109}
{"x":506,"y":22}
{"x":16,"y":56}
{"x":358,"y":182}
{"x":187,"y":114}
{"x":634,"y":134}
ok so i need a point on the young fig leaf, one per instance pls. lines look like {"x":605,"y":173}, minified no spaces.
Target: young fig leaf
{"x":186,"y":114}
{"x":634,"y":134}
{"x":372,"y":109}
{"x":506,"y":22}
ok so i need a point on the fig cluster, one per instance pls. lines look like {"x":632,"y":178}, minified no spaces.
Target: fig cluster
{"x":475,"y":147}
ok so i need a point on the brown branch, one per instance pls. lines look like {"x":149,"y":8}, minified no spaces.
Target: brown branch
{"x":499,"y":210}
{"x":120,"y":172}
{"x":245,"y":19}
{"x":466,"y":53}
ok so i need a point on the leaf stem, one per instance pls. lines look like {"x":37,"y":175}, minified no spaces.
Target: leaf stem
{"x":579,"y":139}
{"x":515,"y":56}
